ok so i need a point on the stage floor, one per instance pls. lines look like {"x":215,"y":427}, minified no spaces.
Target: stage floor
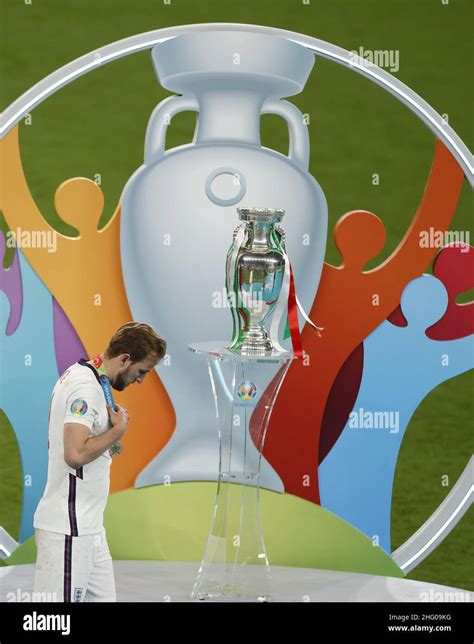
{"x":157,"y":581}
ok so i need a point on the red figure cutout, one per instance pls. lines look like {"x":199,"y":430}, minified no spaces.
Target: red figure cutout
{"x":350,"y":304}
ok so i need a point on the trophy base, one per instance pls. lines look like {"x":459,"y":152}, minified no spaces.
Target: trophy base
{"x":255,"y":342}
{"x":230,"y":593}
{"x":228,"y":597}
{"x":251,"y":350}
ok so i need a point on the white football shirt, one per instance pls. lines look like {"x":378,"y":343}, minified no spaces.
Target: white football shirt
{"x":73,"y":501}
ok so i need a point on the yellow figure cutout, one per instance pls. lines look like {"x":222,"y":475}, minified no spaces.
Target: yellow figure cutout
{"x":85,"y":277}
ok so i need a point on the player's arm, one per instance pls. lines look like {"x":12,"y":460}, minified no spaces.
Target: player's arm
{"x":80,"y":448}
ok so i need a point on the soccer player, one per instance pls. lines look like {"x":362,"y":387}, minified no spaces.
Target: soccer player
{"x":73,"y":562}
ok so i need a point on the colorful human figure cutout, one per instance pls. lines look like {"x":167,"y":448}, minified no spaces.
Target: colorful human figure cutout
{"x":401,"y":366}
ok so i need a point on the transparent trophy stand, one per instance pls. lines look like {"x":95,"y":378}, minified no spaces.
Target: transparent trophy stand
{"x":235,"y":565}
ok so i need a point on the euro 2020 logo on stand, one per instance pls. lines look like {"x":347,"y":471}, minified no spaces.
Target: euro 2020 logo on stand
{"x":246,"y":393}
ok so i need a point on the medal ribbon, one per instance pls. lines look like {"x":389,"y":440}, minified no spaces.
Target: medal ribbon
{"x":109,"y":398}
{"x":293,"y":319}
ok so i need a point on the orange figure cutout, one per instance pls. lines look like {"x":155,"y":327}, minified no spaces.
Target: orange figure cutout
{"x":85,"y":277}
{"x":349,"y":305}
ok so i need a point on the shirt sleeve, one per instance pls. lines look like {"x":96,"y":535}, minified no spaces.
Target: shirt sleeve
{"x":82,"y":405}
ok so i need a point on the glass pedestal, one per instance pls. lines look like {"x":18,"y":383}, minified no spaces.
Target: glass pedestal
{"x":235,"y":565}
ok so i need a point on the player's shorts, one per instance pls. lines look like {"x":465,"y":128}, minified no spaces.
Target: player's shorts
{"x":73,"y":569}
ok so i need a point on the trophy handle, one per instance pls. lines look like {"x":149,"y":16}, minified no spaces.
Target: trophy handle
{"x":160,"y":118}
{"x":298,"y":130}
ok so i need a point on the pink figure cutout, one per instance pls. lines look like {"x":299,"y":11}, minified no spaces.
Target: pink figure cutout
{"x":454,"y":266}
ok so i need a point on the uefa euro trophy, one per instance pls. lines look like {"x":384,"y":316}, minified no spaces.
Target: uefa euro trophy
{"x":255,"y":269}
{"x":246,"y":376}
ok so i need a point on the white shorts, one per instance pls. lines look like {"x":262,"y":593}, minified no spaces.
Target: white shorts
{"x":73,"y":569}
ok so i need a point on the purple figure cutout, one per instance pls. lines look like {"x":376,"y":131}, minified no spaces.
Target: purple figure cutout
{"x":10,"y":284}
{"x":67,"y":344}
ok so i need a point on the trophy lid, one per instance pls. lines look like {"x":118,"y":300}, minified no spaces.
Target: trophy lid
{"x":272,"y":65}
{"x":262,"y":215}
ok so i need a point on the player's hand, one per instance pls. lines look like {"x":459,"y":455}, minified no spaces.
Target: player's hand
{"x":119,"y":420}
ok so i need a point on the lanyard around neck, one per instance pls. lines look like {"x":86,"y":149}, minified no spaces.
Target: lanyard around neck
{"x":101,"y":375}
{"x":98,"y":369}
{"x":99,"y":364}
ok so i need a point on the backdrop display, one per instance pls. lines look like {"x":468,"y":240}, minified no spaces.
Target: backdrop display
{"x":377,"y":335}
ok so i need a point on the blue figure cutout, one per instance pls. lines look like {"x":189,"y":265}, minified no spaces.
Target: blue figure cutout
{"x":26,"y":388}
{"x":401,"y":366}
